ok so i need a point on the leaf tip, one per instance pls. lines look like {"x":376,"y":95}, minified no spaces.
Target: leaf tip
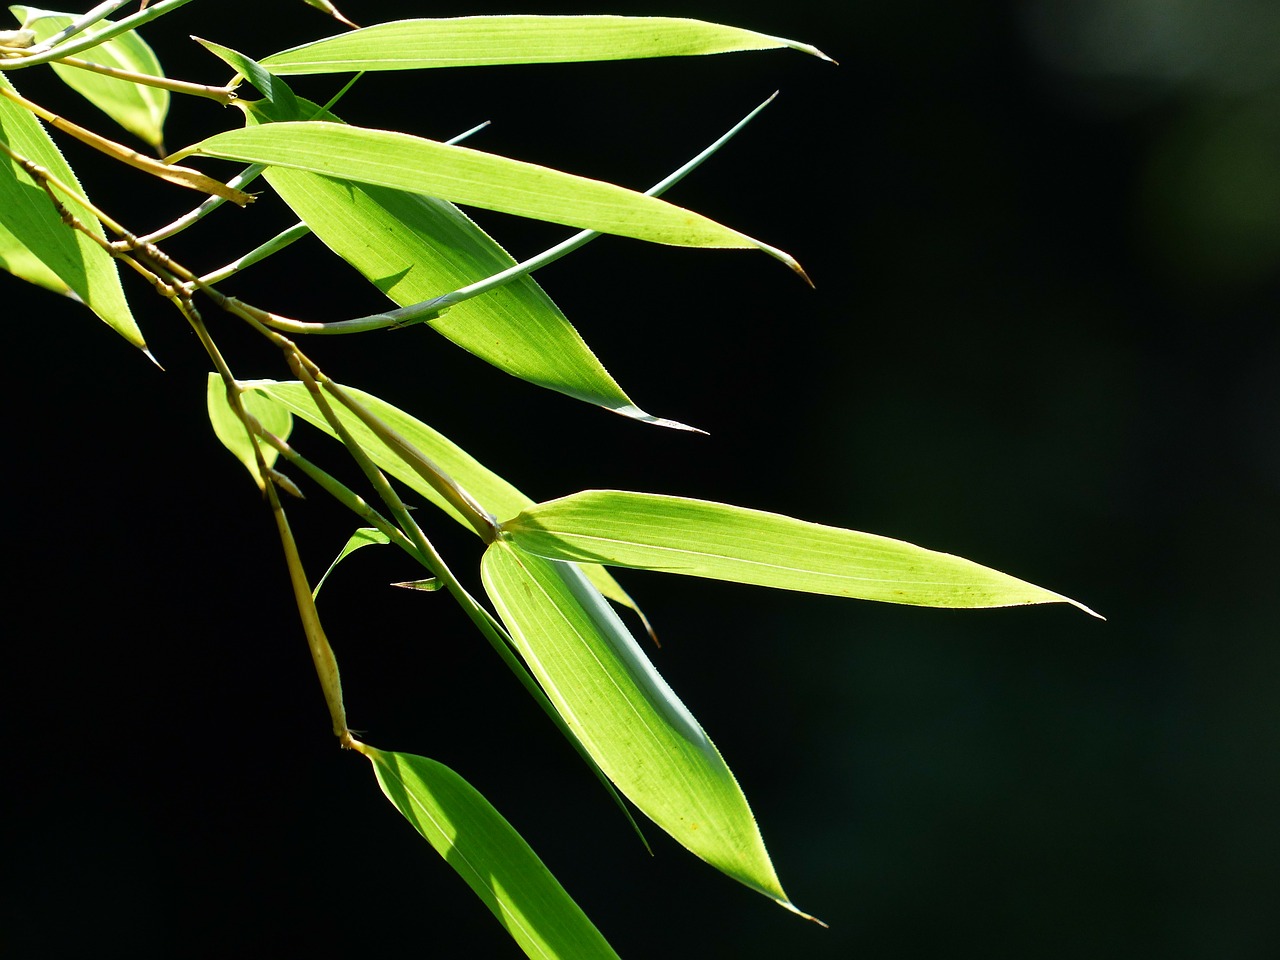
{"x":146,"y":352}
{"x":788,"y":905}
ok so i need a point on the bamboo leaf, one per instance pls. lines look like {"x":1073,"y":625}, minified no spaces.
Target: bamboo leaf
{"x":38,"y":233}
{"x":462,"y":175}
{"x":490,"y":856}
{"x":480,"y":41}
{"x":232,"y":433}
{"x":492,"y":492}
{"x":364,"y":537}
{"x":139,"y":109}
{"x":625,"y":714}
{"x":702,"y":539}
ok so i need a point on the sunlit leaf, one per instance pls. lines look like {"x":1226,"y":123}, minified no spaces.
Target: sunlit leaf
{"x":702,"y":539}
{"x":490,"y":856}
{"x":364,"y":537}
{"x":624,"y":713}
{"x":231,"y":431}
{"x":37,"y":230}
{"x":462,"y":175}
{"x":139,"y":109}
{"x":478,"y":41}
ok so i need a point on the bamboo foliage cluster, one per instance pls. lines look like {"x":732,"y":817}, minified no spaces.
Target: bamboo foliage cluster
{"x":552,"y":611}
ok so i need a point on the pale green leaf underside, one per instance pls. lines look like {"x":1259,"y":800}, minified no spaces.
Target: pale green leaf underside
{"x":480,"y":41}
{"x":22,"y":263}
{"x":703,"y":539}
{"x":36,"y":231}
{"x":462,"y":175}
{"x":139,"y":109}
{"x":231,"y":432}
{"x":624,"y":713}
{"x":490,"y":856}
{"x":489,"y":490}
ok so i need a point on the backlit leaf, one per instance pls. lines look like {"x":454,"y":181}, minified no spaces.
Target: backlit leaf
{"x":703,"y":539}
{"x":479,"y":41}
{"x":490,"y":856}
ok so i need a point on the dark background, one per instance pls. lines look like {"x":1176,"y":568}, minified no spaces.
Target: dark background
{"x":1045,"y":239}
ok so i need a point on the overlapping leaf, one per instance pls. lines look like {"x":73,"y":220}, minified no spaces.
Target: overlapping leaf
{"x":229,"y":429}
{"x":35,"y":234}
{"x":489,"y":490}
{"x":625,"y":714}
{"x":490,"y":856}
{"x":703,"y":539}
{"x":462,"y":175}
{"x":480,"y":41}
{"x":139,"y":109}
{"x":427,"y":247}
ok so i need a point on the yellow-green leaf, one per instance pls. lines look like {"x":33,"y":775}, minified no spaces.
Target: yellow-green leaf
{"x":703,"y":539}
{"x":480,"y":41}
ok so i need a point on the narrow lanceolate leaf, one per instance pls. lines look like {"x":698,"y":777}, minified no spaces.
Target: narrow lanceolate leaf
{"x":139,"y":109}
{"x":624,"y":713}
{"x":480,"y":41}
{"x":36,"y":232}
{"x":490,"y":856}
{"x":231,"y":431}
{"x":703,"y":539}
{"x":492,"y":492}
{"x":462,"y":175}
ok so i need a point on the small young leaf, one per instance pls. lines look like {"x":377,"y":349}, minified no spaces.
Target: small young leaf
{"x":229,"y":429}
{"x":702,"y":539}
{"x":480,"y":41}
{"x":462,"y":175}
{"x":490,"y":856}
{"x":364,"y":537}
{"x":139,"y":109}
{"x":624,"y":713}
{"x":37,"y":231}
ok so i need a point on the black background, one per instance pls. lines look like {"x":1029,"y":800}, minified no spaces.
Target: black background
{"x":1045,"y":240}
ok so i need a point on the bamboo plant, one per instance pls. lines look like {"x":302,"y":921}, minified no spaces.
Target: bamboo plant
{"x":552,"y":610}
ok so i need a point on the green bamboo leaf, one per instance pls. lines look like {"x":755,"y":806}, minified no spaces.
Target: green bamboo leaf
{"x":480,"y":41}
{"x":22,"y":263}
{"x":462,"y":175}
{"x":228,"y":428}
{"x":490,"y":856}
{"x":36,"y":231}
{"x":139,"y":109}
{"x":489,"y":490}
{"x":625,"y":714}
{"x":702,"y":539}
{"x":364,"y":537}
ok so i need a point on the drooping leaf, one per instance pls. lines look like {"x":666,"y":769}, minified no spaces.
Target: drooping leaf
{"x":489,"y":490}
{"x":231,"y":431}
{"x":427,"y":247}
{"x":625,"y":714}
{"x":480,"y":41}
{"x":462,"y":175}
{"x":703,"y":539}
{"x":364,"y":537}
{"x":36,"y":230}
{"x":490,"y":856}
{"x":139,"y":109}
